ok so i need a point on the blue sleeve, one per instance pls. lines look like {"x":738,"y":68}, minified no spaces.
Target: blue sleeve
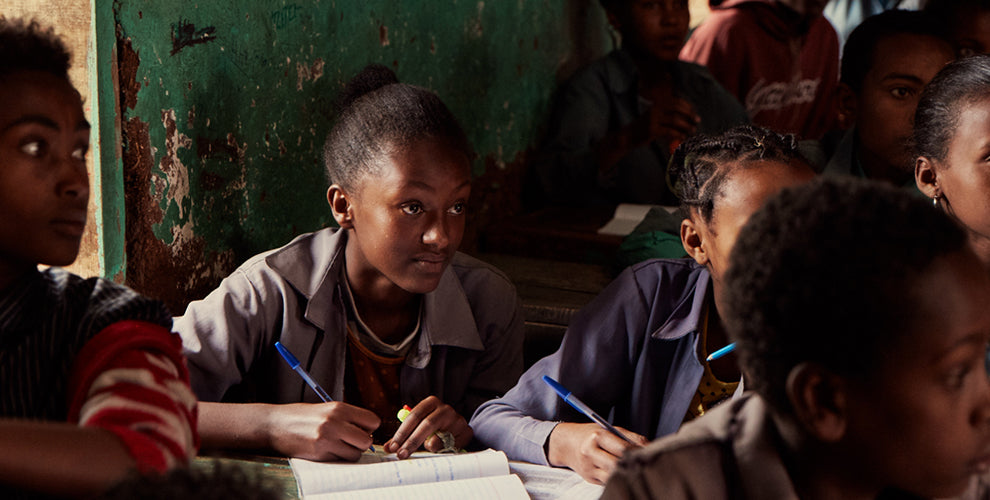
{"x":594,"y":359}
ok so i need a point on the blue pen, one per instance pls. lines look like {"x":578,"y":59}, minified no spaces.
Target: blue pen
{"x":721,"y":352}
{"x":294,"y":364}
{"x":583,"y":408}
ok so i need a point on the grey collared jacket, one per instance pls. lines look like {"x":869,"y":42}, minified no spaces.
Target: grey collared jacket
{"x":469,"y":349}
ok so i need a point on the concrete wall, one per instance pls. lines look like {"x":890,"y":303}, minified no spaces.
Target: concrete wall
{"x":225,"y":105}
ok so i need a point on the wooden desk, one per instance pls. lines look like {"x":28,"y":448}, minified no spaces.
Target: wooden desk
{"x":555,"y":233}
{"x":275,"y":469}
{"x":551,"y":293}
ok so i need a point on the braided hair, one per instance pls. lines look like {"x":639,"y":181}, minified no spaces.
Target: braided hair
{"x":379,"y":117}
{"x":701,"y":165}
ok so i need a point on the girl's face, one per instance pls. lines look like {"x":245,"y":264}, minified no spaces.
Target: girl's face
{"x":963,"y":178}
{"x":921,"y":421}
{"x":745,"y":191}
{"x":406,"y":222}
{"x":44,"y":187}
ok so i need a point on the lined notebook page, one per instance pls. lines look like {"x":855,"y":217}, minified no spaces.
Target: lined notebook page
{"x":316,"y":477}
{"x":481,"y":488}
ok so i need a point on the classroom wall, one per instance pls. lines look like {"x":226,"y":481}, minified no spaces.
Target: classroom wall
{"x":224,"y":108}
{"x":71,"y":21}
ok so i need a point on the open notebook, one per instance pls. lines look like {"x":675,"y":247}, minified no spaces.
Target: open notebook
{"x":480,"y":475}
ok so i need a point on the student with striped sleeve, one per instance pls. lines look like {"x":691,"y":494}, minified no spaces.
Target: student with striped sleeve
{"x":92,"y":382}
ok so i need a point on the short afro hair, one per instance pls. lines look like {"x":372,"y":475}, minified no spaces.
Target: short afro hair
{"x":823,"y":273}
{"x":25,"y":46}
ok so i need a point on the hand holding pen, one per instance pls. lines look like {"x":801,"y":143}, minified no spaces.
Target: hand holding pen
{"x":334,"y":431}
{"x":593,"y":449}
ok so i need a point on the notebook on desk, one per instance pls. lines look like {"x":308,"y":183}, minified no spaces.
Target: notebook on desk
{"x":482,"y":475}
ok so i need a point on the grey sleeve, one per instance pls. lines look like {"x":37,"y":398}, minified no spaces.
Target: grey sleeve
{"x":224,"y":333}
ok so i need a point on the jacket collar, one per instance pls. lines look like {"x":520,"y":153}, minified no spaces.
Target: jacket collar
{"x":304,"y":263}
{"x":686,"y":317}
{"x":758,"y":455}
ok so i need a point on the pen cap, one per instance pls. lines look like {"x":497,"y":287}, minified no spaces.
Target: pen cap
{"x":289,"y":358}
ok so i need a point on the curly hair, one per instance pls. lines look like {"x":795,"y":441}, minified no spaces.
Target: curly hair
{"x":958,"y":84}
{"x":379,"y":117}
{"x":823,"y":273}
{"x":26,"y":46}
{"x":700,"y":166}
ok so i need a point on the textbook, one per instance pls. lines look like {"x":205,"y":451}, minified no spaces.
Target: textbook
{"x":481,"y":475}
{"x":627,"y":216}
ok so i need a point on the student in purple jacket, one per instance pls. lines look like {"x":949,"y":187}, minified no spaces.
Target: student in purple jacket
{"x":637,"y":352}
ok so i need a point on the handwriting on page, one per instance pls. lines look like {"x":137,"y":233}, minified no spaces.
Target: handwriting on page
{"x":497,"y":487}
{"x":314,"y":477}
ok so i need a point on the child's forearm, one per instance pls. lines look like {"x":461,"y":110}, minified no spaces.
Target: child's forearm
{"x":235,"y":425}
{"x":321,"y":431}
{"x":61,"y":459}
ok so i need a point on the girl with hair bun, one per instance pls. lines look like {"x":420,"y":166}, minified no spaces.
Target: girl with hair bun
{"x":951,"y":136}
{"x":638,"y":351}
{"x":381,"y":312}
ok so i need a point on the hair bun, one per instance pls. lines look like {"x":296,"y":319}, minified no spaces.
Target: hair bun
{"x":370,"y":79}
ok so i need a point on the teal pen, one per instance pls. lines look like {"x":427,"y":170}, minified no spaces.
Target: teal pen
{"x":721,"y":352}
{"x":294,"y":364}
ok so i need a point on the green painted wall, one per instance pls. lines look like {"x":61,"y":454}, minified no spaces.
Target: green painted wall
{"x":224,"y":107}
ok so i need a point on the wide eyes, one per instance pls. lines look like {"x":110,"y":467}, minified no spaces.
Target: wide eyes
{"x":412,"y":208}
{"x":35,"y":148}
{"x":417,"y":208}
{"x":38,"y":148}
{"x":457,"y":209}
{"x":79,"y":153}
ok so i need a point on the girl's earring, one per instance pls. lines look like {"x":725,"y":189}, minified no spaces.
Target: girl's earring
{"x":935,"y":201}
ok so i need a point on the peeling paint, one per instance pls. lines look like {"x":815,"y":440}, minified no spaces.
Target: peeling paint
{"x":309,"y":73}
{"x":176,"y":172}
{"x":383,"y":35}
{"x":267,"y":81}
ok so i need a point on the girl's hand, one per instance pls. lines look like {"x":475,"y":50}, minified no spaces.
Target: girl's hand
{"x":588,"y":449}
{"x":428,"y":417}
{"x":323,"y":431}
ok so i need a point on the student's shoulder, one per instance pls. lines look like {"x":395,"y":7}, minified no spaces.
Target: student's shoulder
{"x":301,"y":262}
{"x":693,"y":74}
{"x":654,"y":273}
{"x":689,"y":464}
{"x":688,"y":471}
{"x":100,"y":302}
{"x":615,"y":72}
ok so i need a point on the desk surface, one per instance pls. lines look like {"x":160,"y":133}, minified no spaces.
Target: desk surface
{"x":551,"y":291}
{"x":556,"y":233}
